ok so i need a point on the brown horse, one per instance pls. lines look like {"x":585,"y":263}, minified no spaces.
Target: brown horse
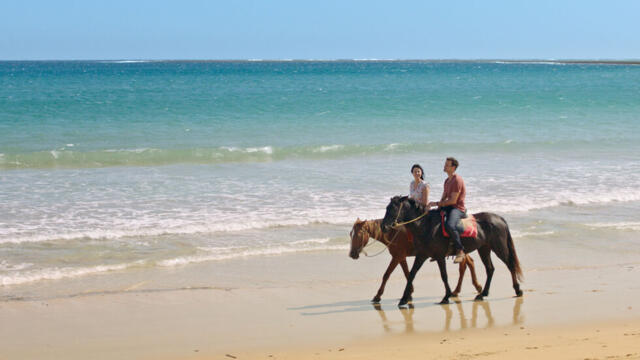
{"x":400,"y":246}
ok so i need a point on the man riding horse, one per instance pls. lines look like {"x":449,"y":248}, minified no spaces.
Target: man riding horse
{"x":452,"y":203}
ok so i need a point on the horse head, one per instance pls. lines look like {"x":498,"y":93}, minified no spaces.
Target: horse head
{"x":359,"y":238}
{"x":400,"y":209}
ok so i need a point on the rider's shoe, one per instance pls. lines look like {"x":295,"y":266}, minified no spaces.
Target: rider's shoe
{"x":459,"y":257}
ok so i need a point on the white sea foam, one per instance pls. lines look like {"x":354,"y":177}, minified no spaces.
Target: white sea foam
{"x":136,"y":151}
{"x":631,"y":225}
{"x":543,"y":62}
{"x":249,"y":252}
{"x":327,"y":148}
{"x":530,"y":202}
{"x":521,"y":234}
{"x":59,"y":273}
{"x":5,"y":266}
{"x":211,"y":228}
{"x":328,"y":209}
{"x":265,"y":149}
{"x":311,"y":241}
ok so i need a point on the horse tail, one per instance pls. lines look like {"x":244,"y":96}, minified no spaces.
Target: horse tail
{"x":514,"y":263}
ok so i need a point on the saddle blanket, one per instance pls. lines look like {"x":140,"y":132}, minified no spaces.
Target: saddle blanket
{"x":469,"y":224}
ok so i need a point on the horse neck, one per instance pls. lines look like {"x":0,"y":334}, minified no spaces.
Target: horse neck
{"x":374,"y":229}
{"x":418,"y":227}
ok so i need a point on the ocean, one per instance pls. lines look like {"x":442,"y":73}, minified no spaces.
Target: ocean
{"x":115,"y":167}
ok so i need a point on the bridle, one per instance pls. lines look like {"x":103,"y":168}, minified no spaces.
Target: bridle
{"x":369,"y":244}
{"x":397,"y":224}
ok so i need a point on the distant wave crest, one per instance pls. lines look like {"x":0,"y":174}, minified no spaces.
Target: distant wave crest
{"x":74,"y":158}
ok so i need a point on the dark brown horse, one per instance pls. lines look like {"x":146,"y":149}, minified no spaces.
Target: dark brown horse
{"x":493,"y":235}
{"x":400,"y":246}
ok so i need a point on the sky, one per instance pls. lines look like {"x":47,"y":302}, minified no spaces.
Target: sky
{"x":319,"y":29}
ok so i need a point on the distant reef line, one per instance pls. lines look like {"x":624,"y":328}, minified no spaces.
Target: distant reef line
{"x":505,"y":61}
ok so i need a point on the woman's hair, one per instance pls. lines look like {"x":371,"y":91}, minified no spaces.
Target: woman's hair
{"x":419,"y":167}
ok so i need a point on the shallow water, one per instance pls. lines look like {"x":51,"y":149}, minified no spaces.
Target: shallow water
{"x":114,"y":168}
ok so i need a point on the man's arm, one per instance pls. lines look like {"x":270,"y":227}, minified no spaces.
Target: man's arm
{"x":452,"y":200}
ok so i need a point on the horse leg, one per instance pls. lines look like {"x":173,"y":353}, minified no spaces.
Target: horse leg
{"x":405,"y":269}
{"x":472,"y":270}
{"x":461,"y":269}
{"x":417,"y":263}
{"x":443,"y":274}
{"x":385,"y":277}
{"x":485,"y":255}
{"x":514,"y":280}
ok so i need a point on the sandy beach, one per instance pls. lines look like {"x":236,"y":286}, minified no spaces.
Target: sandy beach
{"x":317,"y":306}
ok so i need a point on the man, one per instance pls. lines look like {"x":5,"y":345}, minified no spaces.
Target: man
{"x":452,"y":202}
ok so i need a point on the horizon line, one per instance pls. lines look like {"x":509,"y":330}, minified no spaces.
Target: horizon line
{"x":442,"y":60}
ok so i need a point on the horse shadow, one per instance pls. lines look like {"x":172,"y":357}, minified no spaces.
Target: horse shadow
{"x":359,"y":305}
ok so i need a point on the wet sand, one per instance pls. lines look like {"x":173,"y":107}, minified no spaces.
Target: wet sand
{"x":317,"y":305}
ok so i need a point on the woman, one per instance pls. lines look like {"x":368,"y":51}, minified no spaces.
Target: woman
{"x":418,"y":189}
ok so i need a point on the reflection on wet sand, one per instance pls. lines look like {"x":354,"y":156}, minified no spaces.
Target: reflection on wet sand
{"x":407,"y":313}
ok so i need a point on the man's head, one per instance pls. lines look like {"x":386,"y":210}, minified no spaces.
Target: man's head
{"x":450,"y":165}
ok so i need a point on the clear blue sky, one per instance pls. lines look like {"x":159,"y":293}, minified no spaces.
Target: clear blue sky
{"x":321,"y":29}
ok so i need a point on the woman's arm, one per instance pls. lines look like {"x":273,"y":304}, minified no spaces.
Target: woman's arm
{"x":425,"y":194}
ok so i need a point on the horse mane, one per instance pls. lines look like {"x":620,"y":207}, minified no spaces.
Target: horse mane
{"x":416,"y":204}
{"x":374,"y":229}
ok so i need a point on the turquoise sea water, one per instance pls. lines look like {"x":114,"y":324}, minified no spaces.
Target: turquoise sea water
{"x":111,"y":166}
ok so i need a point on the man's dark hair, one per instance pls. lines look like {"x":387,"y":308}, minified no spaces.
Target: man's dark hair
{"x":454,"y":162}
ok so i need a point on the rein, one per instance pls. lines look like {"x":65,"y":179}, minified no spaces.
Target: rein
{"x":381,"y":251}
{"x":397,"y":224}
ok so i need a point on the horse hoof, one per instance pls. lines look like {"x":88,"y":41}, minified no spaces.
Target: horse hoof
{"x":455,"y":293}
{"x":444,"y":302}
{"x":479,"y":289}
{"x":479,"y":298}
{"x":403,"y":302}
{"x":376,"y":300}
{"x":519,"y":293}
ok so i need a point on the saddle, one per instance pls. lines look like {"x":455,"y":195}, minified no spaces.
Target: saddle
{"x":469,"y":225}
